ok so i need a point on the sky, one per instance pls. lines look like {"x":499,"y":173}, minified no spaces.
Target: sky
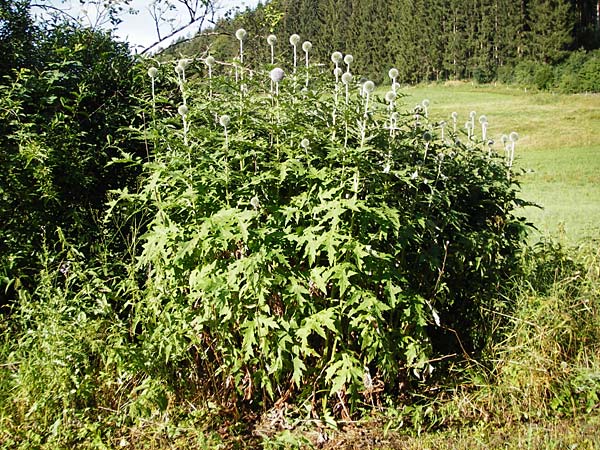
{"x":138,"y":29}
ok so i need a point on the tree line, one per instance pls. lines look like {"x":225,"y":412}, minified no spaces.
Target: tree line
{"x":426,"y":40}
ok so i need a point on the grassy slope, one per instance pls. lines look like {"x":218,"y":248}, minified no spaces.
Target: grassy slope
{"x":559,"y":141}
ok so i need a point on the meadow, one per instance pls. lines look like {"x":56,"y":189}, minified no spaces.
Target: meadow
{"x":559,"y":147}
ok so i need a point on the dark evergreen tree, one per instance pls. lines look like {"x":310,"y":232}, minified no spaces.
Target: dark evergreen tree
{"x":550,"y":30}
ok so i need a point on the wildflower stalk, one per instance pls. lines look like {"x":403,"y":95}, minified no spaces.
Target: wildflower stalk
{"x":294,"y":40}
{"x":306,"y":46}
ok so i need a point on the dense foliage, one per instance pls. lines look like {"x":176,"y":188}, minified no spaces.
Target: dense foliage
{"x":62,"y":110}
{"x":427,"y":41}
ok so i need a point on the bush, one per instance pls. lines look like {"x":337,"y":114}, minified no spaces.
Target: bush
{"x":299,"y":247}
{"x":60,"y":125}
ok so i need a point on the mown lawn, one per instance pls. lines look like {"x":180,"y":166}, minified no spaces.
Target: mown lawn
{"x":559,"y":146}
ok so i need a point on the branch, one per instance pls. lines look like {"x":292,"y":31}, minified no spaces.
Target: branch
{"x":209,"y":6}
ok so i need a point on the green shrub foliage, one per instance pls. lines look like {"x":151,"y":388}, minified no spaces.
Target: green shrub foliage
{"x":61,"y":122}
{"x":301,"y":244}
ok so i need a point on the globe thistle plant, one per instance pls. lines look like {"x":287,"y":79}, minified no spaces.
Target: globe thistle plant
{"x":442,"y":128}
{"x":276,"y":75}
{"x":454,"y":116}
{"x":153,"y":73}
{"x":393,"y":74}
{"x":347,"y":79}
{"x":348,"y":59}
{"x":240,"y":35}
{"x":224,"y":121}
{"x":390,"y":98}
{"x":512,"y":138}
{"x":306,"y":47}
{"x":368,"y":88}
{"x":183,"y":112}
{"x":425,"y":105}
{"x":294,"y":41}
{"x":272,"y":40}
{"x":484,"y":125}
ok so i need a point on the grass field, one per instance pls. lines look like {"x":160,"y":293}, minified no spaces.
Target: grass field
{"x":559,"y":142}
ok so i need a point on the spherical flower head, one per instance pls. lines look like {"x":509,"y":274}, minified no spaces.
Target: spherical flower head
{"x":152,"y":72}
{"x":348,"y":59}
{"x":369,"y":86}
{"x":347,"y":78}
{"x":184,"y":62}
{"x":209,"y":61}
{"x":240,"y":34}
{"x":304,"y":143}
{"x":224,"y":120}
{"x":336,"y":57}
{"x":395,"y":116}
{"x":468,"y":125}
{"x":294,"y":39}
{"x":183,"y":110}
{"x":482,"y":119}
{"x":425,"y":103}
{"x":472,"y":114}
{"x":454,"y":116}
{"x":443,"y":123}
{"x":390,"y":96}
{"x":179,"y":69}
{"x":255,"y":202}
{"x":271,"y":39}
{"x":393,"y":73}
{"x":277,"y":74}
{"x":504,"y":139}
{"x":337,"y":72}
{"x":427,"y":136}
{"x":513,"y":137}
{"x":306,"y":46}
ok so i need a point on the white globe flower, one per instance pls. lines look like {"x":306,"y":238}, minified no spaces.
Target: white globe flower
{"x":179,"y":69}
{"x":337,"y":72}
{"x":348,"y":59}
{"x":306,"y":46}
{"x":368,"y":86}
{"x":271,"y":39}
{"x":347,"y":78}
{"x":255,"y":202}
{"x":390,"y":96}
{"x":152,"y":72}
{"x":393,"y":73}
{"x":184,"y":62}
{"x":277,"y":74}
{"x":224,"y":120}
{"x":336,"y":57}
{"x":454,"y":116}
{"x":482,"y":120}
{"x":182,"y":110}
{"x":294,"y":39}
{"x":240,"y":34}
{"x":304,"y":143}
{"x":513,"y":137}
{"x":425,"y":103}
{"x":209,"y":61}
